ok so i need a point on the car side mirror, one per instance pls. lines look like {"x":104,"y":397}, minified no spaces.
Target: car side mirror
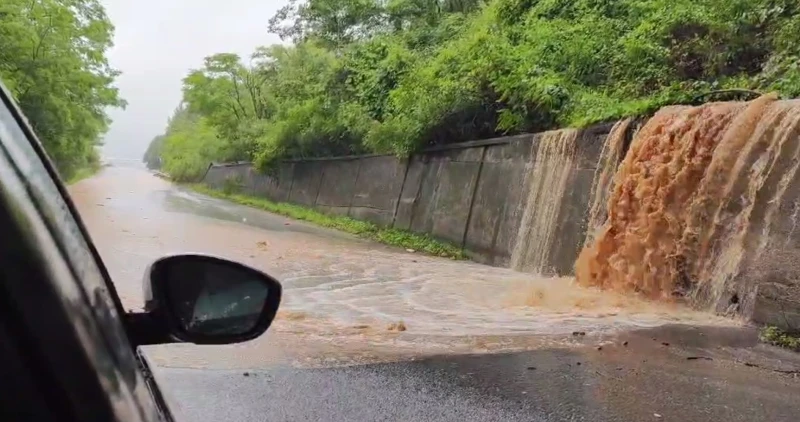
{"x":203,"y":299}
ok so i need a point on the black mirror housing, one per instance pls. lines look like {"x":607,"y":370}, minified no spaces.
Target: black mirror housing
{"x":204,"y":299}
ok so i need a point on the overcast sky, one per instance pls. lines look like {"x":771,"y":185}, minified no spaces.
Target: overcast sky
{"x":157,"y":42}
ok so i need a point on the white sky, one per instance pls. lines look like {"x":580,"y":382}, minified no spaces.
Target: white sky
{"x":157,"y":42}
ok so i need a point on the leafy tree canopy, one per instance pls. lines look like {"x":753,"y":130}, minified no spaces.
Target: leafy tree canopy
{"x":398,"y":75}
{"x":52,"y":59}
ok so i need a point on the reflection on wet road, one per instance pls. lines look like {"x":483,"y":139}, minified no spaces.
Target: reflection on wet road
{"x":345,"y":297}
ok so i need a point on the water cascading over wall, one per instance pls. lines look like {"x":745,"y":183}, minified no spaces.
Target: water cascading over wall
{"x":610,"y":156}
{"x":553,"y":162}
{"x":703,"y":201}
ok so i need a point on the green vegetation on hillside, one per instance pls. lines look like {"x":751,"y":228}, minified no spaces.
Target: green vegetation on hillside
{"x":52,"y":59}
{"x":777,"y":337}
{"x":398,"y":75}
{"x":83,"y":173}
{"x":389,"y":236}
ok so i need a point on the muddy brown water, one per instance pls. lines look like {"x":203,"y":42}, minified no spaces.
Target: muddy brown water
{"x":694,"y":200}
{"x":344,"y":297}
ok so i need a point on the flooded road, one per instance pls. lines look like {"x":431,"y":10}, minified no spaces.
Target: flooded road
{"x":480,"y":343}
{"x":345,"y":297}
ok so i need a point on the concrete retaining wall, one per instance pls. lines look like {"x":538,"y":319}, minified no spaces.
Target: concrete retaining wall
{"x":475,"y":195}
{"x":471,"y":194}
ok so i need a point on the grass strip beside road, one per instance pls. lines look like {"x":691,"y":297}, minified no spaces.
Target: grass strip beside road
{"x":777,"y":337}
{"x":367,"y":230}
{"x":83,"y":173}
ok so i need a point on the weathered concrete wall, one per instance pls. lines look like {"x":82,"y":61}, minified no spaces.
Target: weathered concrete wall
{"x":337,"y":186}
{"x":220,"y":176}
{"x":499,"y":200}
{"x":411,"y":190}
{"x":575,"y":202}
{"x":472,"y":194}
{"x":767,"y":289}
{"x":306,"y":180}
{"x":377,"y":190}
{"x":445,"y":211}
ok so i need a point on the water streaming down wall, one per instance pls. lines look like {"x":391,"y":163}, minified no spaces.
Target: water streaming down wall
{"x":699,"y":205}
{"x":610,"y":156}
{"x":547,"y":180}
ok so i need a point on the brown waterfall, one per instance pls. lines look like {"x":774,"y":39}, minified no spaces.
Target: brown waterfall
{"x":555,"y":154}
{"x":694,"y":199}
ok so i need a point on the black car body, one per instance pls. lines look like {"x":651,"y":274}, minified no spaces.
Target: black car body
{"x":70,"y":349}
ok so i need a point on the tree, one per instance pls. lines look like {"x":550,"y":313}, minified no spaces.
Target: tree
{"x":188,"y":146}
{"x":152,"y":156}
{"x":229,"y":95}
{"x":335,"y":22}
{"x":52,"y":58}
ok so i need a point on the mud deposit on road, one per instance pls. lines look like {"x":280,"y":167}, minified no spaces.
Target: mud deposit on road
{"x":345,"y":298}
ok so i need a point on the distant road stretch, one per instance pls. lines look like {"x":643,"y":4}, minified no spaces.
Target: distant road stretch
{"x":122,"y":162}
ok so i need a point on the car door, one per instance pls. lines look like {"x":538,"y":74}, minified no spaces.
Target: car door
{"x":57,"y":295}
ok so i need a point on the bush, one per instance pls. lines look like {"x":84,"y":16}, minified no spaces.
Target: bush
{"x":777,"y":337}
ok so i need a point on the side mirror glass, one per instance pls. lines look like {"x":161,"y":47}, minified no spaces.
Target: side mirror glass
{"x":208,"y":300}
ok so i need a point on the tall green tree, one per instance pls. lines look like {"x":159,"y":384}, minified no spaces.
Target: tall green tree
{"x":335,"y":22}
{"x":230,"y":96}
{"x":52,"y":58}
{"x":152,"y":156}
{"x":187,"y":147}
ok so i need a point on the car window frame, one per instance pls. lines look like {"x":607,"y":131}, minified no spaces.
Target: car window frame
{"x":83,"y":282}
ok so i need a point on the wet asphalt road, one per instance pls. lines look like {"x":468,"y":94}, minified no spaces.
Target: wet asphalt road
{"x":703,"y":375}
{"x":301,"y":372}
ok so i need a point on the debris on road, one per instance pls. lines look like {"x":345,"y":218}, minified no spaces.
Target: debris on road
{"x":397,"y":326}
